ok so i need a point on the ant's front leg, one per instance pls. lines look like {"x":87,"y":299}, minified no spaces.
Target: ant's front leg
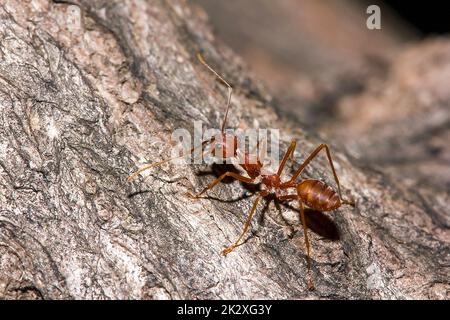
{"x":247,"y":223}
{"x":223,"y":176}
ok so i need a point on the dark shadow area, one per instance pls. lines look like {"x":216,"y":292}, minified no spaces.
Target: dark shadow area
{"x":316,"y":221}
{"x":219,"y":169}
{"x":243,"y":197}
{"x":429,"y":17}
{"x":319,"y":223}
{"x":138,"y":192}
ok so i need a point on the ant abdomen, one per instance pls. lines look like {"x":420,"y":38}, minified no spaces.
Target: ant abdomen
{"x":318,"y":195}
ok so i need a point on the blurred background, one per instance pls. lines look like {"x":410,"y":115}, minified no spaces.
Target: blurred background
{"x":312,"y":53}
{"x":380,"y":94}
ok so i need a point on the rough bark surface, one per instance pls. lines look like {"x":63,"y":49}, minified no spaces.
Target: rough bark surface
{"x":91,"y":90}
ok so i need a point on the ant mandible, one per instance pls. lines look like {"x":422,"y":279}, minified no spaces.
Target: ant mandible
{"x":313,"y":193}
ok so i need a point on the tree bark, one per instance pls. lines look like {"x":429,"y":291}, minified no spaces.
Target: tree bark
{"x":90,"y":91}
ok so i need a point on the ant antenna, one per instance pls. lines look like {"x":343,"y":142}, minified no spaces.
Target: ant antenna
{"x":135,"y":174}
{"x":230,"y":90}
{"x":148,"y":167}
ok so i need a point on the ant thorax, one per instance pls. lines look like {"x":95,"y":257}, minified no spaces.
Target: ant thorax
{"x":256,"y":165}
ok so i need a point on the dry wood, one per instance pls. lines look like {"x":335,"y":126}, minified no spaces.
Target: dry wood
{"x":89,"y":91}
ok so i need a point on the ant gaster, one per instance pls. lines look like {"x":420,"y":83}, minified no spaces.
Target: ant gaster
{"x":313,"y":193}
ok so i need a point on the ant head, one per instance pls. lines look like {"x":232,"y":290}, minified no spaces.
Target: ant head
{"x":251,"y":164}
{"x":225,"y":146}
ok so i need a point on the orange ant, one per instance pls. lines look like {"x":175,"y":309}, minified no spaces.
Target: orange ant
{"x":313,"y":193}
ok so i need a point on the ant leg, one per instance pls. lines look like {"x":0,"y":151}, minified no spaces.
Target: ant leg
{"x":305,"y":233}
{"x":202,"y":145}
{"x":230,"y":89}
{"x":311,"y":157}
{"x":289,"y":154}
{"x":287,"y":197}
{"x":223,"y":176}
{"x":247,"y":224}
{"x":148,"y":167}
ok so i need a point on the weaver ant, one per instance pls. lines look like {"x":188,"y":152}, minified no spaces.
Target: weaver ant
{"x":313,"y":193}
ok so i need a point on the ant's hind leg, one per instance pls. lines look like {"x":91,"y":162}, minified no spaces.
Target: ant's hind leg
{"x":247,"y":224}
{"x":290,"y":197}
{"x":223,"y":176}
{"x":305,"y":233}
